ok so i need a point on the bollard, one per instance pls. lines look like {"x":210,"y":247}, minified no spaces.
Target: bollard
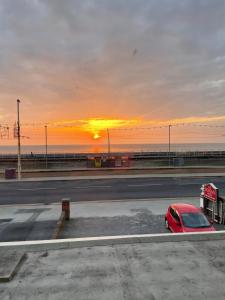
{"x":66,"y":207}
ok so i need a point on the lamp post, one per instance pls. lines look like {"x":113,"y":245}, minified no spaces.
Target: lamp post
{"x":46,"y":146}
{"x":108,"y":141}
{"x":169,"y":142}
{"x":18,"y":140}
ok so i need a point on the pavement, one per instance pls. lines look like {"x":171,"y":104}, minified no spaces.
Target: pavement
{"x":27,"y":222}
{"x":112,"y":176}
{"x":10,"y":262}
{"x":62,"y":173}
{"x":155,"y":271}
{"x":98,"y":218}
{"x":88,"y":219}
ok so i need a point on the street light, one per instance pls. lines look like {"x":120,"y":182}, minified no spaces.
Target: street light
{"x":18,"y":140}
{"x":46,"y":146}
{"x":108,"y":141}
{"x":169,"y":142}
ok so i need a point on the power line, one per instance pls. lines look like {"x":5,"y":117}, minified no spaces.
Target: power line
{"x":4,"y":131}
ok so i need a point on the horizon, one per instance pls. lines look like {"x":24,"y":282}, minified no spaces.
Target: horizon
{"x":105,"y":144}
{"x":114,"y":148}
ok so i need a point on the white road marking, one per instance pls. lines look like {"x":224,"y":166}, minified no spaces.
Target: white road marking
{"x":37,"y":189}
{"x":146,"y":184}
{"x":188,"y":183}
{"x":92,"y":186}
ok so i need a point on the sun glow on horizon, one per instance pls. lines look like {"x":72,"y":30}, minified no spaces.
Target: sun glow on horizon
{"x":98,"y":126}
{"x":96,"y":136}
{"x":95,"y":129}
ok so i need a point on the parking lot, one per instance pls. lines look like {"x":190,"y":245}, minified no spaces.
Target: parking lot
{"x":87,"y":219}
{"x":99,"y":218}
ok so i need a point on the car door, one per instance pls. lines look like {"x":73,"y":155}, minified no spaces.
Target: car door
{"x":175,"y":222}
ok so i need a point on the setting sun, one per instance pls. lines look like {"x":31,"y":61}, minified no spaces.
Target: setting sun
{"x":96,"y":136}
{"x":97,"y":126}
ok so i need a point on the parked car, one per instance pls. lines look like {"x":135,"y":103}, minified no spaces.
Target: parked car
{"x":181,"y":217}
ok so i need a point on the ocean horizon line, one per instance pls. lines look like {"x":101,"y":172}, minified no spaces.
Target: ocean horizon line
{"x":103,"y":148}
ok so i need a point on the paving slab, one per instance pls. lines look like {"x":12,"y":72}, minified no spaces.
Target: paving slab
{"x":10,"y":261}
{"x":28,"y":222}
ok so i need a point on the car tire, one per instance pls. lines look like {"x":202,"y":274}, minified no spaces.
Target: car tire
{"x":166,"y":224}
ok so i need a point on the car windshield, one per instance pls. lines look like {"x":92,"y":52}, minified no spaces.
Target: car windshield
{"x":195,"y":220}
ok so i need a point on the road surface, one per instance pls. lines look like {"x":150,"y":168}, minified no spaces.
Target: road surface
{"x":103,"y":189}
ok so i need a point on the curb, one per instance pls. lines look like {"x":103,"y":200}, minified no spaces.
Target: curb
{"x":116,"y":168}
{"x":47,"y":245}
{"x":8,"y":277}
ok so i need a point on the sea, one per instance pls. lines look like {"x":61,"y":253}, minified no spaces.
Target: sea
{"x":103,"y":148}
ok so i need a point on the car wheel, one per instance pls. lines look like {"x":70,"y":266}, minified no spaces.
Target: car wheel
{"x":166,"y":224}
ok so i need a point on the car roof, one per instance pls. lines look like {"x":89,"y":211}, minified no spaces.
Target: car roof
{"x":184,"y":207}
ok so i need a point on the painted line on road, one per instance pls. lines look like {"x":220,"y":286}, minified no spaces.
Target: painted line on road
{"x":189,"y":183}
{"x":37,"y":189}
{"x":142,"y":185}
{"x":92,"y":186}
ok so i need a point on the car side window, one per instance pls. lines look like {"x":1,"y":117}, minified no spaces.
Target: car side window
{"x":174,"y":215}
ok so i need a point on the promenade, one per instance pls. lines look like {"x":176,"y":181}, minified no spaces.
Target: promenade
{"x":111,"y":172}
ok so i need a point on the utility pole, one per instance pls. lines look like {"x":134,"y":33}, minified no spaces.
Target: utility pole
{"x":108,"y":141}
{"x":18,"y":139}
{"x":46,"y":146}
{"x":169,"y":142}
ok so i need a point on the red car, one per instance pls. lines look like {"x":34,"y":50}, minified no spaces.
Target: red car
{"x":181,"y":217}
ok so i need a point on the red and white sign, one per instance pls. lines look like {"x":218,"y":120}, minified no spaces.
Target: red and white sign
{"x":210,"y":192}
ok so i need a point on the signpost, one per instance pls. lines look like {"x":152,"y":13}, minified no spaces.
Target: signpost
{"x":18,"y":139}
{"x":211,"y":192}
{"x":209,"y":200}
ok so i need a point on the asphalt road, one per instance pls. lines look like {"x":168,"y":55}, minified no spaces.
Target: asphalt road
{"x":104,"y":189}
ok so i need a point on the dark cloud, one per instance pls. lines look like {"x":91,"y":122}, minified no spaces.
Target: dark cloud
{"x":151,"y":58}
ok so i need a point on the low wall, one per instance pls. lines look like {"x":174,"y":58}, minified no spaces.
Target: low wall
{"x":57,"y":164}
{"x":111,"y":240}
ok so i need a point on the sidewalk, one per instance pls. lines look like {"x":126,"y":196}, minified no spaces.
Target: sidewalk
{"x":172,"y":271}
{"x":73,"y":174}
{"x":66,"y":178}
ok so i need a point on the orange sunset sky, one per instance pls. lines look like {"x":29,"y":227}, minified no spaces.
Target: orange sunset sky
{"x":132,"y":67}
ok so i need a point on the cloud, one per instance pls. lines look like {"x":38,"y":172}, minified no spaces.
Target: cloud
{"x":134,"y":58}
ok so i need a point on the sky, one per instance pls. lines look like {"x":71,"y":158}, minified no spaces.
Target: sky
{"x":134,"y":63}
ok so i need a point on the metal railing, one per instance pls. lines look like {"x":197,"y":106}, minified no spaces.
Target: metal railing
{"x":131,"y":155}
